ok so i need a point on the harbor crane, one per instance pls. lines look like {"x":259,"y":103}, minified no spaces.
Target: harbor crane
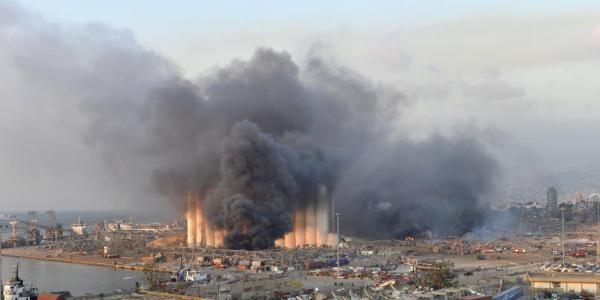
{"x":32,"y":228}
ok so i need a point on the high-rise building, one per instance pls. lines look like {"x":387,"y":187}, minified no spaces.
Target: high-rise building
{"x":552,"y":201}
{"x":579,"y":197}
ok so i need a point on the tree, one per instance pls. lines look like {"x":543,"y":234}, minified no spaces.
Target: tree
{"x":585,"y":295}
{"x":152,"y":277}
{"x":440,"y":276}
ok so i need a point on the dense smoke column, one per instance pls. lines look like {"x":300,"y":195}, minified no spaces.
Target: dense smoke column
{"x":266,"y":141}
{"x":256,"y":187}
{"x":262,"y":184}
{"x":246,"y":103}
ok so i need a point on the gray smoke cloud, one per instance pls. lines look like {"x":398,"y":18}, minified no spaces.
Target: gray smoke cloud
{"x":257,"y":137}
{"x":409,"y":188}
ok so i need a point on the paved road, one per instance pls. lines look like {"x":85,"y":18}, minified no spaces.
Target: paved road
{"x":485,"y":277}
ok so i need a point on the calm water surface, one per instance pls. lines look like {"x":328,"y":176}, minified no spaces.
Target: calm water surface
{"x":78,"y":279}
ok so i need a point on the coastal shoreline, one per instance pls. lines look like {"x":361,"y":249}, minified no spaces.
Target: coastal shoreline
{"x":80,"y":262}
{"x":92,"y":260}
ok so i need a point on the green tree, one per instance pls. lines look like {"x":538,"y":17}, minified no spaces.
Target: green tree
{"x":152,"y":276}
{"x":440,"y":276}
{"x":585,"y":295}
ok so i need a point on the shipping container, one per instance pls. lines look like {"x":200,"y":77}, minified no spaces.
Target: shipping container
{"x":313,"y":264}
{"x":51,"y":297}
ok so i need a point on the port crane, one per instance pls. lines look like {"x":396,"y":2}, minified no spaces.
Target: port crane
{"x":32,"y":228}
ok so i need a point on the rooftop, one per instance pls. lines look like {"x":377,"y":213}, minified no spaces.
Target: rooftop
{"x":564,"y":277}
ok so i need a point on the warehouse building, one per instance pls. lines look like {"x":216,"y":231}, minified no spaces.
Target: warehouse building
{"x":566,"y":282}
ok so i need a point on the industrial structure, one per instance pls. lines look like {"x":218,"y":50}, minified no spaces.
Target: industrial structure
{"x":313,"y":224}
{"x":32,"y":229}
{"x":565,"y":281}
{"x":200,"y":232}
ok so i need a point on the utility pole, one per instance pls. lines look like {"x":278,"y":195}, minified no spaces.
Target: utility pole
{"x":562,"y":218}
{"x":521,"y":222}
{"x":13,"y":236}
{"x":1,"y":229}
{"x":598,"y":235}
{"x":219,"y":290}
{"x":337,"y":215}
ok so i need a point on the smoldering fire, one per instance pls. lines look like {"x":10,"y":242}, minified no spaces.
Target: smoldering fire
{"x":257,"y":139}
{"x":313,"y":225}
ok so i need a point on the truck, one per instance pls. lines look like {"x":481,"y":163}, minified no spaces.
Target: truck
{"x":313,"y":264}
{"x":333,"y":262}
{"x":579,"y":253}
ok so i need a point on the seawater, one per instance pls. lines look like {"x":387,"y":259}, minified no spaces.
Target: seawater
{"x":50,"y":276}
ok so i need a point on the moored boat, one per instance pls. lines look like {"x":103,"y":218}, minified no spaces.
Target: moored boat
{"x":15,"y":289}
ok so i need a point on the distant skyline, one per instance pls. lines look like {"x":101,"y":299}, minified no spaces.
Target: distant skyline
{"x":524,"y":74}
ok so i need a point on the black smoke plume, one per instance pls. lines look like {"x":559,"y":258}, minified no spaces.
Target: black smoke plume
{"x":261,"y":182}
{"x":409,"y":187}
{"x":256,"y":137}
{"x":266,"y":139}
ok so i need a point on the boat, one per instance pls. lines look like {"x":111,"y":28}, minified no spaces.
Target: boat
{"x":196,"y":276}
{"x":15,"y":289}
{"x":79,"y":228}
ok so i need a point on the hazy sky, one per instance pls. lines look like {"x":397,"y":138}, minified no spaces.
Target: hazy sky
{"x":523,"y":73}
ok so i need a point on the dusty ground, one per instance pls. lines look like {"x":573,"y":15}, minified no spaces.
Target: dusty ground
{"x":495,"y":260}
{"x":169,"y":241}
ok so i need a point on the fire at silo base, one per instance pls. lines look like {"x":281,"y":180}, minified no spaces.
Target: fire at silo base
{"x":200,"y":233}
{"x":312,"y":225}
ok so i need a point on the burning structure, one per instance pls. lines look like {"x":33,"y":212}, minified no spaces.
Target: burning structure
{"x":262,"y":149}
{"x":200,"y":231}
{"x":312,"y":225}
